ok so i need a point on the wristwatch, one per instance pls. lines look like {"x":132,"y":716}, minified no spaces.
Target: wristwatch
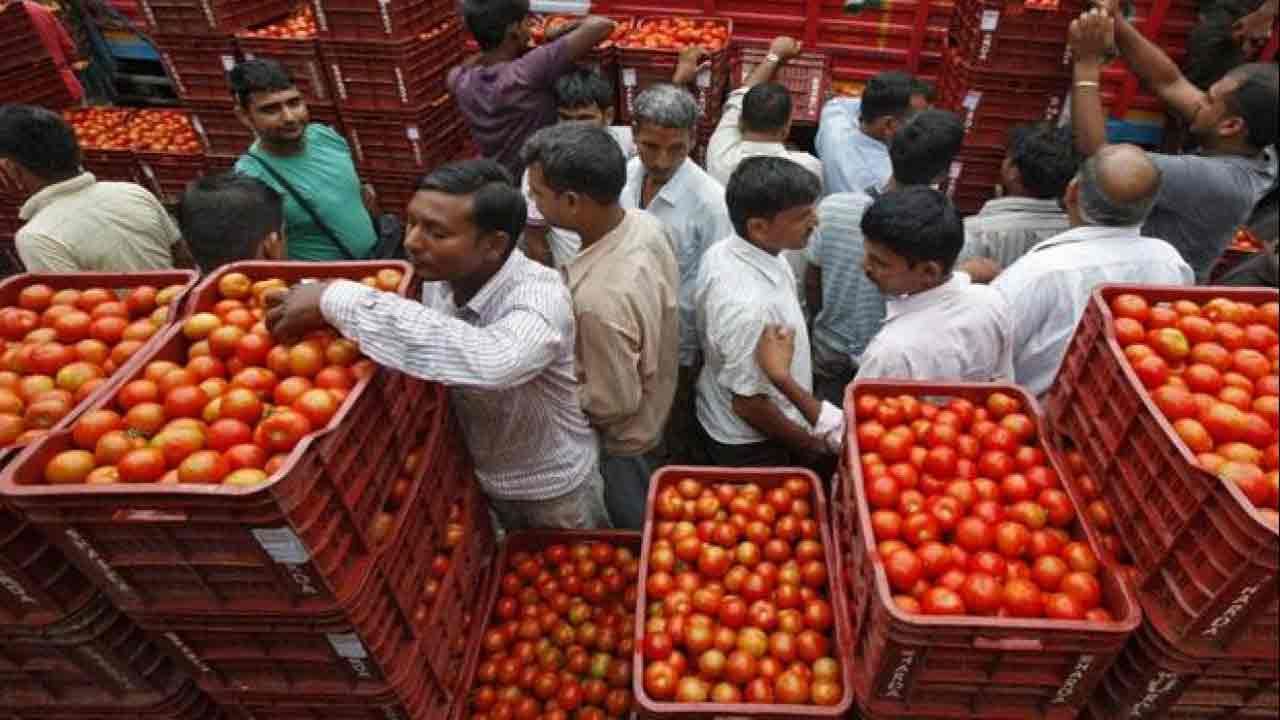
{"x":773,"y":58}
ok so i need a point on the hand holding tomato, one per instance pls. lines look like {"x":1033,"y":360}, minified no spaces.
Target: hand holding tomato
{"x":293,"y":314}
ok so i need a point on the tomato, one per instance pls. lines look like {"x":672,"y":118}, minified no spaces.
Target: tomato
{"x":1022,"y":598}
{"x":319,"y":406}
{"x":203,"y":467}
{"x":143,"y":465}
{"x":185,"y":401}
{"x":90,"y":428}
{"x":240,"y":403}
{"x":1083,"y":587}
{"x":69,"y":467}
{"x":1061,"y":606}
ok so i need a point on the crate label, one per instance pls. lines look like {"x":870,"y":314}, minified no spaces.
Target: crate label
{"x":898,"y":680}
{"x":971,"y":100}
{"x":629,"y":77}
{"x":228,"y":62}
{"x":349,"y":647}
{"x":1073,"y":680}
{"x":339,"y":80}
{"x":187,"y":653}
{"x":413,"y":133}
{"x":283,"y":545}
{"x":15,"y":588}
{"x":1233,"y":611}
{"x":400,"y":86}
{"x":250,"y":56}
{"x":322,"y":21}
{"x":384,"y":6}
{"x":1162,"y":684}
{"x":208,"y":13}
{"x":704,"y":78}
{"x":99,"y":562}
{"x":146,"y":10}
{"x":990,"y":20}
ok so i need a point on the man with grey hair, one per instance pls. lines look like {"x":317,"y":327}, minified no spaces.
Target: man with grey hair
{"x":664,"y":181}
{"x":1049,"y":287}
{"x":624,"y":284}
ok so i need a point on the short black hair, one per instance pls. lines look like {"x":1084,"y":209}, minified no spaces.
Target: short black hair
{"x":762,"y":187}
{"x":255,"y":76}
{"x":583,"y":87}
{"x":1046,"y":159}
{"x":497,"y":205}
{"x":580,"y":158}
{"x":1256,"y":99}
{"x":923,"y":149}
{"x":917,"y":223}
{"x":766,"y":108}
{"x":40,"y":141}
{"x":924,"y":89}
{"x":224,"y":218}
{"x":489,"y":20}
{"x":888,"y":94}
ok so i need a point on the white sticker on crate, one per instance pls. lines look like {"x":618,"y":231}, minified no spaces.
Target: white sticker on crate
{"x":385,"y":7}
{"x":208,"y":13}
{"x":1073,"y":680}
{"x":228,"y":62}
{"x":282,"y":545}
{"x":349,"y":648}
{"x":1160,"y":685}
{"x":1233,"y":611}
{"x":898,"y":681}
{"x":990,"y":20}
{"x":322,"y":20}
{"x":629,"y":77}
{"x":146,"y":10}
{"x":339,"y":80}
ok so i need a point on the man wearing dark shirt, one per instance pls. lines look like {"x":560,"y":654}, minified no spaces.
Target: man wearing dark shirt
{"x":506,"y":93}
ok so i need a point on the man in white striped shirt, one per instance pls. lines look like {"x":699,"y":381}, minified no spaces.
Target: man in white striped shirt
{"x":494,"y":326}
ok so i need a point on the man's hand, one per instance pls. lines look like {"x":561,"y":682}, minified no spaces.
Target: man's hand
{"x":293,"y":314}
{"x":1252,"y":31}
{"x":785,"y":47}
{"x":559,"y":30}
{"x":980,"y":270}
{"x":1093,"y":36}
{"x":774,"y":351}
{"x":687,"y":66}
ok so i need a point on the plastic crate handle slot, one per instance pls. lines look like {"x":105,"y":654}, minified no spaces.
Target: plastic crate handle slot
{"x":1012,"y":644}
{"x":148,"y":516}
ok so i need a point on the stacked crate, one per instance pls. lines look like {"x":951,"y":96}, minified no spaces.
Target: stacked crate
{"x":1009,"y":66}
{"x":386,"y":65}
{"x":28,"y":75}
{"x":1167,"y":23}
{"x":864,"y":39}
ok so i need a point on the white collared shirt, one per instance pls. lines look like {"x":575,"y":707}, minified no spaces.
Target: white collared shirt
{"x":1048,"y":289}
{"x":957,"y":332}
{"x":507,"y":356}
{"x":727,"y":148}
{"x":852,"y":161}
{"x":692,"y":206}
{"x":740,"y":289}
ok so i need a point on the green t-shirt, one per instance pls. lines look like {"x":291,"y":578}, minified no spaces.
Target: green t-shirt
{"x":325,"y":175}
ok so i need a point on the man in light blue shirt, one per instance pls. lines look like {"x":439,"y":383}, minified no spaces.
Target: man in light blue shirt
{"x":854,"y":133}
{"x":849,"y":308}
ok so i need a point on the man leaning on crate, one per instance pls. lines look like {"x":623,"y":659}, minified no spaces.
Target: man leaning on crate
{"x":494,"y":326}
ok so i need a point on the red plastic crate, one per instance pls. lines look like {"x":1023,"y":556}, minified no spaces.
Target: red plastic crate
{"x":300,"y":57}
{"x":223,"y":134}
{"x":992,"y":40}
{"x":639,"y":68}
{"x":392,"y":75}
{"x":530,"y":541}
{"x":38,"y":585}
{"x":111,"y":165}
{"x":200,"y":17}
{"x":395,"y":188}
{"x":13,"y":286}
{"x":198,"y":64}
{"x":1206,"y":560}
{"x":968,"y":666}
{"x":22,"y":43}
{"x":842,"y":644}
{"x":186,"y":703}
{"x":807,"y":77}
{"x":859,"y":64}
{"x":36,"y":83}
{"x":93,"y":658}
{"x":992,"y":104}
{"x":384,"y":20}
{"x":417,"y":140}
{"x":298,"y":545}
{"x":169,"y":174}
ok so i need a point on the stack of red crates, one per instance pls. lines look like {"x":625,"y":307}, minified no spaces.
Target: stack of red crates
{"x":1167,"y":23}
{"x":870,"y":38}
{"x":341,"y":589}
{"x":386,"y":64}
{"x":10,"y":203}
{"x":1205,"y":560}
{"x":1009,"y":66}
{"x":27,"y":74}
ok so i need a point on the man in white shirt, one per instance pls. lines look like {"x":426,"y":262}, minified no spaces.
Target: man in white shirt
{"x":757,"y":119}
{"x":854,"y":133}
{"x":495,"y":327}
{"x":1038,"y":164}
{"x":742,"y":286}
{"x":624,"y":284}
{"x":1049,"y":287}
{"x":666,"y":182}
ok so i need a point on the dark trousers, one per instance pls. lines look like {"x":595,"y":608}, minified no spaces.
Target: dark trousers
{"x":626,"y":488}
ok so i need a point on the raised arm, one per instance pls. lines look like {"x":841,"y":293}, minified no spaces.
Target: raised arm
{"x":593,"y":30}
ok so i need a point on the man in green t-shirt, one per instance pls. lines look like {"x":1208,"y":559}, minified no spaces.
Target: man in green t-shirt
{"x":298,"y":158}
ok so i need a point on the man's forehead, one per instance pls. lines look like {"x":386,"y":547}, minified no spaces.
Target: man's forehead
{"x":273,"y":97}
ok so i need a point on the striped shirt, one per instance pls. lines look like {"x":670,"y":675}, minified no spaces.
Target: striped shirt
{"x":507,"y":356}
{"x":1006,"y":228}
{"x":852,"y":307}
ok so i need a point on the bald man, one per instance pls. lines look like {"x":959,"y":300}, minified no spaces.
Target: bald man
{"x":1048,"y":288}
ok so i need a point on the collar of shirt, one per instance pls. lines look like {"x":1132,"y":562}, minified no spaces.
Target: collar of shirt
{"x":491,"y":292}
{"x":1019,"y":204}
{"x":1087,"y":233}
{"x":600,"y":251}
{"x":47,"y":196}
{"x":673,"y":192}
{"x":906,"y":304}
{"x":770,"y":267}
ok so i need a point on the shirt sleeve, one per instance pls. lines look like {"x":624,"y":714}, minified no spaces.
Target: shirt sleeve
{"x":727,"y":132}
{"x":830,"y":427}
{"x":542,"y":66}
{"x":608,"y":365}
{"x":536,"y":220}
{"x":410,"y":337}
{"x":43,"y":253}
{"x":734,"y":331}
{"x":884,"y":362}
{"x":715,"y":228}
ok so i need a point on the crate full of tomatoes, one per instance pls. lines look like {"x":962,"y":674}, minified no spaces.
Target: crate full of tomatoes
{"x":807,"y":77}
{"x":105,"y":145}
{"x":974,"y":578}
{"x":649,"y":53}
{"x":556,"y":629}
{"x":739,"y":613}
{"x":210,"y":17}
{"x":1171,"y":396}
{"x":292,"y":43}
{"x":170,"y":153}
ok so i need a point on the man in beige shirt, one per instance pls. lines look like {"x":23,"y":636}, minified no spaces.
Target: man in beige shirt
{"x":625,"y":284}
{"x":73,"y":222}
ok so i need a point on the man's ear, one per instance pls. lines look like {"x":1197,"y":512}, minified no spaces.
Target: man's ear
{"x":1233,"y":126}
{"x":757,"y":229}
{"x":273,"y":246}
{"x":1071,"y":198}
{"x":608,"y":116}
{"x":494,"y":245}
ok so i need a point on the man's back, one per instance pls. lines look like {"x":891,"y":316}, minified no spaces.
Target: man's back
{"x":1006,"y":228}
{"x":852,"y":161}
{"x":1203,"y":199}
{"x":326,"y":176}
{"x":852,"y":307}
{"x":1049,"y":288}
{"x":727,"y":147}
{"x":81,"y":225}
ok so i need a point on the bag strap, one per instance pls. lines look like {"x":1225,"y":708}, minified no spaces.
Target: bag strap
{"x":297,"y":196}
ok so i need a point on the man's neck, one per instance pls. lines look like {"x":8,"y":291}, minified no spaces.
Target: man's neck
{"x":285,"y":149}
{"x":504,"y":53}
{"x":1215,"y":145}
{"x":934,"y":286}
{"x":871,"y":132}
{"x":760,"y":137}
{"x":466,"y":288}
{"x":600,"y":224}
{"x":651,"y":187}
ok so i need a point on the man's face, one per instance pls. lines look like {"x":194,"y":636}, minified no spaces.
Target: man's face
{"x":790,"y":229}
{"x":890,"y":272}
{"x":1213,"y":110}
{"x":279,"y":117}
{"x":662,"y":150}
{"x":523,"y":33}
{"x":442,"y":241}
{"x":550,"y":203}
{"x":591,"y":114}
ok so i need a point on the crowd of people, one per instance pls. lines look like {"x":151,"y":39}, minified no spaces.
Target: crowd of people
{"x":600,"y":305}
